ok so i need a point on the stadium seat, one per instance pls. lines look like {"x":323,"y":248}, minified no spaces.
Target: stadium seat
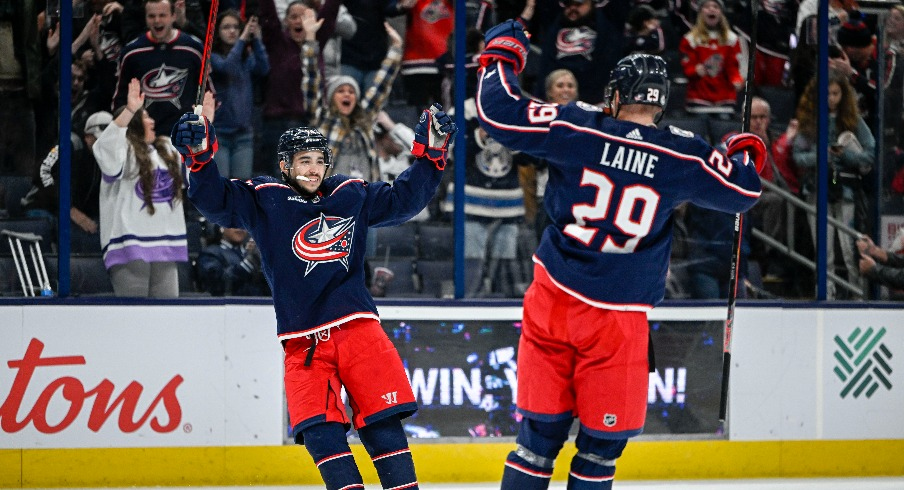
{"x":719,"y":128}
{"x":434,"y":273}
{"x":89,"y":276}
{"x":82,"y":242}
{"x":402,"y":283}
{"x":695,"y":124}
{"x":187,"y":285}
{"x":781,"y":103}
{"x":436,"y":241}
{"x":438,"y":277}
{"x":194,"y":231}
{"x":9,"y":281}
{"x":15,"y":187}
{"x":675,"y":105}
{"x":398,"y":241}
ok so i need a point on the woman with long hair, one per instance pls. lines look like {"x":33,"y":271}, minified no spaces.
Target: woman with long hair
{"x":142,"y":223}
{"x":236,"y":59}
{"x":711,"y":62}
{"x":851,"y":156}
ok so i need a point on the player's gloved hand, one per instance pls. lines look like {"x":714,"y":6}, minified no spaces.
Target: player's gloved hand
{"x":748,"y":143}
{"x":507,"y":42}
{"x":194,"y":137}
{"x":432,"y":134}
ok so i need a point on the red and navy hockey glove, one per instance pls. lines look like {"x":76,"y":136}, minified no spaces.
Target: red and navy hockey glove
{"x":750,"y":144}
{"x":507,"y":42}
{"x":432,"y":134}
{"x":194,"y":137}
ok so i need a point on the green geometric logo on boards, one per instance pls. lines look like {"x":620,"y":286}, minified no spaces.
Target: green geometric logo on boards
{"x":864,"y":362}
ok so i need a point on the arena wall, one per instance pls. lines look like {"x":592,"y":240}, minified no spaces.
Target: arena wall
{"x":191,"y":394}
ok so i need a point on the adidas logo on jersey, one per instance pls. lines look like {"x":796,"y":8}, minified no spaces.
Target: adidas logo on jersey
{"x":635,"y":135}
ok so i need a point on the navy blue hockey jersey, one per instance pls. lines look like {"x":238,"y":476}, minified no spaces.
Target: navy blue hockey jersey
{"x":312,"y":250}
{"x":168,"y":73}
{"x":613,"y":186}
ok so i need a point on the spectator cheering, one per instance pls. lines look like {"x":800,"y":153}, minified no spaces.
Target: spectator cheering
{"x":236,"y":58}
{"x":711,"y":60}
{"x":167,"y":64}
{"x":142,"y":222}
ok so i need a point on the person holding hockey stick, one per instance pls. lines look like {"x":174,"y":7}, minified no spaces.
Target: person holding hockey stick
{"x":614,"y":183}
{"x":311,"y":232}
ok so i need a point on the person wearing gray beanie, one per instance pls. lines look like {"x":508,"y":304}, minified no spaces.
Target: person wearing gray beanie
{"x":345,"y":104}
{"x":333,"y":83}
{"x":345,"y":112}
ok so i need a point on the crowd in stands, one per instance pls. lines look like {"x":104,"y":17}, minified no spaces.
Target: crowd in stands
{"x":361,"y":70}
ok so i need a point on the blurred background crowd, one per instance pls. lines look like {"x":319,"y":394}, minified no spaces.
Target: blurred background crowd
{"x":362,"y":70}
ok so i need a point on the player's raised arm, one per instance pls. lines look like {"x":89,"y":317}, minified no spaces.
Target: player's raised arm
{"x":222,"y":201}
{"x":515,"y":120}
{"x":732,"y":181}
{"x":414,"y":187}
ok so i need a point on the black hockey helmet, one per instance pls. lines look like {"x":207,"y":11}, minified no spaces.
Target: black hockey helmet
{"x":302,"y":139}
{"x":639,"y":78}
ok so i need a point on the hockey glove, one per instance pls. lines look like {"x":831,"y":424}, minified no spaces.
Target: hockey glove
{"x":432,"y":134}
{"x":194,"y":137}
{"x":752,"y":145}
{"x":507,"y":42}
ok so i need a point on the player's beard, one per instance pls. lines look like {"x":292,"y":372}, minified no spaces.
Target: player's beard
{"x":299,"y":189}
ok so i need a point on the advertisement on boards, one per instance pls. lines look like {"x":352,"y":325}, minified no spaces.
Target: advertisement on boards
{"x":812,"y":374}
{"x":464,"y":376}
{"x":120,"y":376}
{"x":863,"y":393}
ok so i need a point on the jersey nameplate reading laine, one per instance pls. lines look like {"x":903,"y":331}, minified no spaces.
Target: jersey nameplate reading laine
{"x":636,"y":161}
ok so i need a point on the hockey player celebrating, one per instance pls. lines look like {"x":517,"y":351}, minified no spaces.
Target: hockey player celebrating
{"x":613,"y":185}
{"x":311,"y":232}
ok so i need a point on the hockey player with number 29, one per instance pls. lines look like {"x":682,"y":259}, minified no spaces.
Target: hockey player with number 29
{"x":614,"y":182}
{"x":311,"y":232}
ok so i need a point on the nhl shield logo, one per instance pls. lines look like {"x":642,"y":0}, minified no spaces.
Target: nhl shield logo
{"x":609,"y":420}
{"x":324,"y":239}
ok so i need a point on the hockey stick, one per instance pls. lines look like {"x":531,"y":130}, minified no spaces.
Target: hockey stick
{"x":205,"y":60}
{"x":738,"y":226}
{"x":205,"y":57}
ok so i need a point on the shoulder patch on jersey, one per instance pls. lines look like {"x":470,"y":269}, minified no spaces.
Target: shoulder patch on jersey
{"x":681,"y":132}
{"x":587,"y":107}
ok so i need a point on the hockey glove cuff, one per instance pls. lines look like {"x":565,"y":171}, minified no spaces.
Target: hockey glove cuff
{"x":750,"y":144}
{"x":507,"y":42}
{"x":195,"y":138}
{"x":432,"y":134}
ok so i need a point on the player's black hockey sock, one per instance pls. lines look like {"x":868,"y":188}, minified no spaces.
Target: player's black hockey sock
{"x":387,"y":445}
{"x":530,"y":465}
{"x":593,"y":467}
{"x":328,"y":445}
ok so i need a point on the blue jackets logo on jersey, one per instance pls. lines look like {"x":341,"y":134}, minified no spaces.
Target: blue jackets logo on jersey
{"x":324,"y":239}
{"x":165,"y":84}
{"x":575,"y":41}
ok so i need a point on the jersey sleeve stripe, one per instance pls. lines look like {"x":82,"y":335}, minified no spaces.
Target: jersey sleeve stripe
{"x":270,"y":184}
{"x":349,"y":181}
{"x":505,"y":85}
